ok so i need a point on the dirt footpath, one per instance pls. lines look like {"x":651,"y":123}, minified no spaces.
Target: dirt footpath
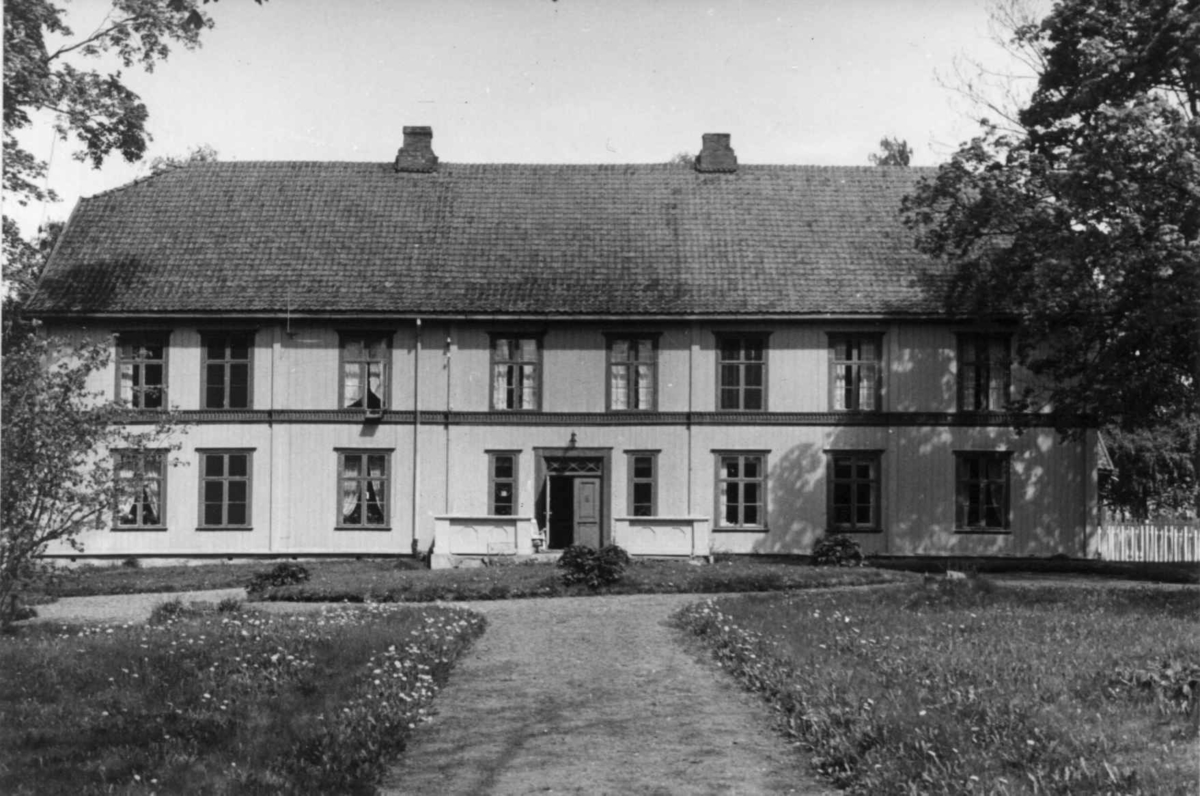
{"x":594,"y":695}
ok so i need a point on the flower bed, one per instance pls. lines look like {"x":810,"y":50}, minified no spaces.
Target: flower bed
{"x":228,"y":702}
{"x":959,"y":688}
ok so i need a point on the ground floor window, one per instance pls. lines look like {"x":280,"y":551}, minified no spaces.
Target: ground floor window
{"x":362,"y":489}
{"x":982,"y":490}
{"x":502,"y":469}
{"x":741,"y":490}
{"x":225,"y":478}
{"x":140,"y":488}
{"x":643,"y":483}
{"x":853,"y":497}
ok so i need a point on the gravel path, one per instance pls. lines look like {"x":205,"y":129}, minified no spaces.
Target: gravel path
{"x":594,"y":695}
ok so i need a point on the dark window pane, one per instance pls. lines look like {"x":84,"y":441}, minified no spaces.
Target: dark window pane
{"x":214,"y":396}
{"x":215,"y":348}
{"x":754,"y":350}
{"x":152,"y":398}
{"x":239,"y":348}
{"x":751,"y":467}
{"x":214,"y":466}
{"x":153,"y":375}
{"x":841,"y":515}
{"x":237,"y":491}
{"x":754,"y":398}
{"x":643,"y":493}
{"x":643,"y":467}
{"x":863,"y":470}
{"x":212,"y":513}
{"x":754,"y":375}
{"x":214,"y":491}
{"x":841,"y":494}
{"x":842,"y":468}
{"x":863,"y":516}
{"x":238,"y":464}
{"x":750,"y":515}
{"x":731,"y":349}
{"x":376,"y":465}
{"x":730,"y":465}
{"x":239,"y":395}
{"x":503,"y":467}
{"x":730,"y":375}
{"x":750,"y":492}
{"x":730,"y":398}
{"x":237,"y":514}
{"x":731,"y":513}
{"x":862,"y":494}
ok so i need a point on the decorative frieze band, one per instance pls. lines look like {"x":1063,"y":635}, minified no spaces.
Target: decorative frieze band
{"x":351,"y":416}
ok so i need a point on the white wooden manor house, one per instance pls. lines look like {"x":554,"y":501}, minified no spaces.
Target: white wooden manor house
{"x":413,"y":357}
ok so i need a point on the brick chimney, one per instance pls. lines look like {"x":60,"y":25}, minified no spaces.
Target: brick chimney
{"x":715,"y":154}
{"x":417,"y":152}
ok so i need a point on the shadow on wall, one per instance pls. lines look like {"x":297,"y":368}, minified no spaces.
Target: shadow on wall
{"x":923,"y":378}
{"x":918,"y":493}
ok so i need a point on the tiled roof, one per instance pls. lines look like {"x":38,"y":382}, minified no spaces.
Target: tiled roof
{"x":493,"y":239}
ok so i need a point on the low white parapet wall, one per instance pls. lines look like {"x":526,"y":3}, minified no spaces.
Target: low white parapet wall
{"x":482,"y":535}
{"x":663,"y":536}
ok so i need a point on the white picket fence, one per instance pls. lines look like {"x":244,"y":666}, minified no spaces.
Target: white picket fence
{"x":1149,"y":543}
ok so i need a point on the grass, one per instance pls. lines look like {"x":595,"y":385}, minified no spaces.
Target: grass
{"x":222,"y":702}
{"x":644,"y":576}
{"x":962,"y":687}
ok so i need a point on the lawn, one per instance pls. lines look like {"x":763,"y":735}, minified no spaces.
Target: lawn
{"x":962,"y":687}
{"x":368,"y":582}
{"x":222,"y":702}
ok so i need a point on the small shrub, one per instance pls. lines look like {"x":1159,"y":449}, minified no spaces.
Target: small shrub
{"x":131,"y":563}
{"x":284,"y":573}
{"x":582,"y":564}
{"x":837,"y":550}
{"x":167,"y":612}
{"x":230,"y":605}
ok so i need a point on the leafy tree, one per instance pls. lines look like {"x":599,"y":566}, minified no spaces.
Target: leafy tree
{"x":56,"y":473}
{"x":1085,"y":224}
{"x":200,"y":154}
{"x":683,"y":159}
{"x":892,"y":152}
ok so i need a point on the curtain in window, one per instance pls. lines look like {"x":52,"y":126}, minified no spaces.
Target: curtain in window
{"x":376,"y":469}
{"x":351,"y":468}
{"x":528,"y":386}
{"x":150,"y":501}
{"x":374,"y":385}
{"x":353,"y":382}
{"x":127,"y":498}
{"x":645,"y":384}
{"x":620,"y":387}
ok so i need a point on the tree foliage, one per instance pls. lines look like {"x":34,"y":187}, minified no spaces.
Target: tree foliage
{"x":1086,"y":224}
{"x":892,"y":152}
{"x":56,"y":472}
{"x":200,"y":154}
{"x":97,"y":109}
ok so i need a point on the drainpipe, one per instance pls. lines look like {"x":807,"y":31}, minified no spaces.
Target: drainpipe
{"x":416,"y":446}
{"x":449,"y":360}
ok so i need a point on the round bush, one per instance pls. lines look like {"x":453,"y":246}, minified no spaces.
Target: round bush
{"x":837,"y":550}
{"x":582,"y":564}
{"x":284,"y":573}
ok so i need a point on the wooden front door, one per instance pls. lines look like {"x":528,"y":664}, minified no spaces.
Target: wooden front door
{"x":587,"y":511}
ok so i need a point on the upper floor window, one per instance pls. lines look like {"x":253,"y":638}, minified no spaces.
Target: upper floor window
{"x":742,"y":372}
{"x":631,"y":373}
{"x":142,"y":369}
{"x":984,"y":372}
{"x":364,"y":383}
{"x":503,"y":476}
{"x":742,"y":491}
{"x":141,"y":478}
{"x":853,"y":502}
{"x":516,"y":372}
{"x":225,"y":489}
{"x":227,"y":370}
{"x":981,"y":490}
{"x":363,"y":489}
{"x":643,"y":483}
{"x":854,"y":377}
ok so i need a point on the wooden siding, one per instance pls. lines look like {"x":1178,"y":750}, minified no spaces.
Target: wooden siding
{"x":1053,"y":487}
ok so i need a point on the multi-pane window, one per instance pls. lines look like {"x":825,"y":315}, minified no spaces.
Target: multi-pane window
{"x":742,"y":372}
{"x":853,"y":491}
{"x":365,"y":371}
{"x":631,"y":373}
{"x":741,"y":490}
{"x":643,"y":486}
{"x":225,"y":489}
{"x":363,"y":489}
{"x":227,"y":370}
{"x":516,"y":372}
{"x":981,"y":490}
{"x":140,"y":487}
{"x":503,"y":477}
{"x":142,"y":369}
{"x":984,"y":372}
{"x":854,"y":372}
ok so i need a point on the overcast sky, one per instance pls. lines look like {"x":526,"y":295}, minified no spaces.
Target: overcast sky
{"x":538,"y":81}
